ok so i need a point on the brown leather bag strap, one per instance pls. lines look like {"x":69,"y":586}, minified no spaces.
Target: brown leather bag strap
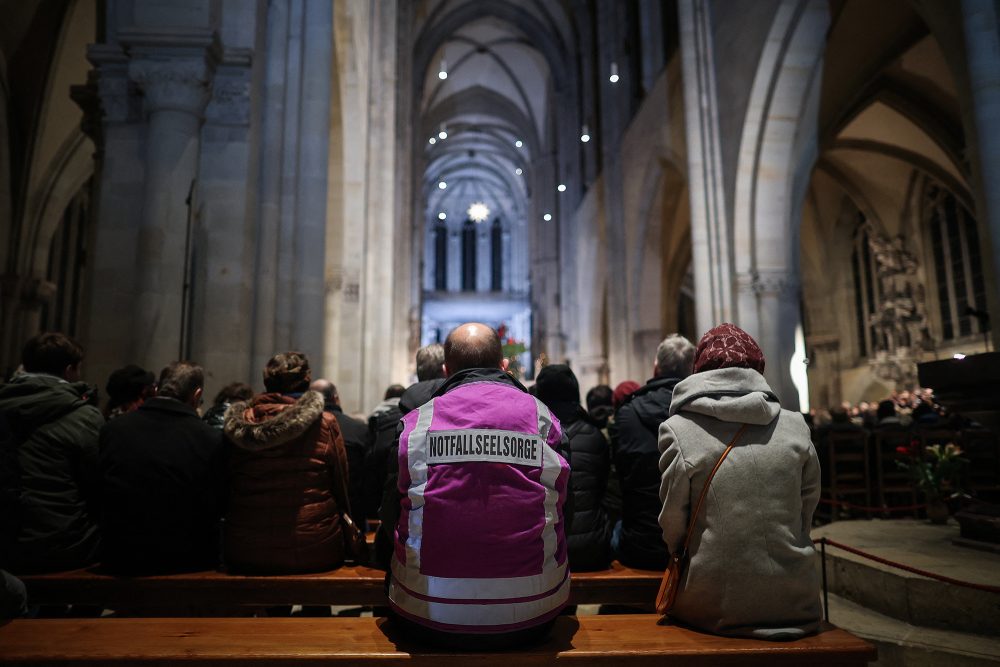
{"x":704,"y":490}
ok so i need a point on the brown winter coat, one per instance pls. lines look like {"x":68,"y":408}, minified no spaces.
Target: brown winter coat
{"x":288,"y":468}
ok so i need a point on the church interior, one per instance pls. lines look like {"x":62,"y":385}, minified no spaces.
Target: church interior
{"x":221,"y":180}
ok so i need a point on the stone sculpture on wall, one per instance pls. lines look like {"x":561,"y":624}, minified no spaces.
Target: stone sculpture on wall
{"x":899,"y":324}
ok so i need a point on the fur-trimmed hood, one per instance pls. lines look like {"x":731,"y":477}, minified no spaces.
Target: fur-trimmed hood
{"x":271,"y":420}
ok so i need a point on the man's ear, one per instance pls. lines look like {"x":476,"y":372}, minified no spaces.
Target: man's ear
{"x":444,"y":367}
{"x":72,"y":372}
{"x":504,"y":364}
{"x":196,"y":397}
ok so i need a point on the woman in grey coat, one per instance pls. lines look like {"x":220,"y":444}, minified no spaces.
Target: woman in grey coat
{"x":751,"y":569}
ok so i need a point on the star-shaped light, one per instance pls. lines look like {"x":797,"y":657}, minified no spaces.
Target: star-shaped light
{"x":478,"y":212}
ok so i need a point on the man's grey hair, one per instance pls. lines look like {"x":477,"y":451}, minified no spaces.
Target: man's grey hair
{"x":674,"y":357}
{"x":430,"y":362}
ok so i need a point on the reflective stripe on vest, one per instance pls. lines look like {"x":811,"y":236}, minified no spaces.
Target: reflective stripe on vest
{"x":478,"y":601}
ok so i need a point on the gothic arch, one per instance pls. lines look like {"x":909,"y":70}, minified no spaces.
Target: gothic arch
{"x":777,"y":151}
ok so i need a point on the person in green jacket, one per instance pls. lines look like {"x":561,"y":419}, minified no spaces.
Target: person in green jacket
{"x":54,"y":423}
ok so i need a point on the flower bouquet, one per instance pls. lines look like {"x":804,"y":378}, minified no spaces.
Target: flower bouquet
{"x":937,"y":472}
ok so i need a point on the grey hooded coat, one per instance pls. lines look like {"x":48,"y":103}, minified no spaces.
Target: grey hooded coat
{"x":752,"y":568}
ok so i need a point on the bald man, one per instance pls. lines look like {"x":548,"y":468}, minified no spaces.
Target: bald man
{"x":478,"y":508}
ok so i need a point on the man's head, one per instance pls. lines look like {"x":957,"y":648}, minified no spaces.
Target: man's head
{"x":53,"y":353}
{"x":674,"y":357}
{"x":184,"y":381}
{"x":600,"y":395}
{"x":130,"y":383}
{"x":473,"y":345}
{"x":430,"y":362}
{"x":394,"y":391}
{"x":287,"y":373}
{"x":234,"y":391}
{"x":327,"y":389}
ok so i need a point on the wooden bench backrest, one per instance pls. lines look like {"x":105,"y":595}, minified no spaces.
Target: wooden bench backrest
{"x":352,"y":585}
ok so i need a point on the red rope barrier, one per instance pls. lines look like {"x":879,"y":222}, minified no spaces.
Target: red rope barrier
{"x":862,"y":508}
{"x":914,"y":570}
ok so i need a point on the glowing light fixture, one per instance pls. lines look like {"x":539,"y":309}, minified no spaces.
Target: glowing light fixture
{"x":518,"y":143}
{"x":443,"y":133}
{"x":478,"y":212}
{"x":442,"y":185}
{"x":614,"y":73}
{"x":547,"y":217}
{"x":442,"y":216}
{"x":443,"y":70}
{"x":561,"y":187}
{"x":584,"y":134}
{"x":958,"y":355}
{"x":432,"y":141}
{"x":518,"y":171}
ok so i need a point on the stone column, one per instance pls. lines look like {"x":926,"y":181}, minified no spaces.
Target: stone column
{"x":176,"y":90}
{"x":769,"y":302}
{"x":710,"y":234}
{"x":982,"y":42}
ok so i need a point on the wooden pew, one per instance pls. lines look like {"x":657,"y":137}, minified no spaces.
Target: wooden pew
{"x":351,"y":585}
{"x":587,"y":640}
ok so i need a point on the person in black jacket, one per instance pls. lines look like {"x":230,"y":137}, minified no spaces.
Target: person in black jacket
{"x":430,"y":377}
{"x":638,"y":539}
{"x":356,"y":442}
{"x":588,"y":537}
{"x":54,"y":421}
{"x":163,"y":482}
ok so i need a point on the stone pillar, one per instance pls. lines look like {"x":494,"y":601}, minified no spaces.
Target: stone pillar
{"x":982,"y":41}
{"x":176,"y":87}
{"x":769,"y":303}
{"x":710,"y":234}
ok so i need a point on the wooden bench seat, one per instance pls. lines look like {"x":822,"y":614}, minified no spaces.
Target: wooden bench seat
{"x":352,"y":585}
{"x":587,"y":640}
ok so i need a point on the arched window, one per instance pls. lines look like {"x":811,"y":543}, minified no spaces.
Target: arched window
{"x":866,"y":297}
{"x":440,"y":257}
{"x":957,"y":263}
{"x":496,"y":256}
{"x":469,"y":256}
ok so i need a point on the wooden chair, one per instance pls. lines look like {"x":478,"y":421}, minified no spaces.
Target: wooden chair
{"x":895,"y":486}
{"x":848,"y":470}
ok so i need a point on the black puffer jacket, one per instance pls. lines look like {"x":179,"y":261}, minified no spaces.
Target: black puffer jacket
{"x":589,"y":536}
{"x":54,"y":426}
{"x":634,"y":433}
{"x":356,"y":444}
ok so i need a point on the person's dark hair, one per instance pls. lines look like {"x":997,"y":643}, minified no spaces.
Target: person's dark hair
{"x":465,"y":348}
{"x":838,"y":415}
{"x":556,"y":383}
{"x":232,"y":392}
{"x":430,"y":362}
{"x":886,"y":408}
{"x":598,"y":396}
{"x":394,"y":391}
{"x":287,"y":372}
{"x":180,"y":380}
{"x":51,"y":353}
{"x":128,"y":384}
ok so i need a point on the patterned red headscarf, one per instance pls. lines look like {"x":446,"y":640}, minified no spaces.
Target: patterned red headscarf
{"x":728,"y":346}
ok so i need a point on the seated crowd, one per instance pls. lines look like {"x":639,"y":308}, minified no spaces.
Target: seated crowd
{"x":486,"y":490}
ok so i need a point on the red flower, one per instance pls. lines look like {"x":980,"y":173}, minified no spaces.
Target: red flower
{"x":902,"y":449}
